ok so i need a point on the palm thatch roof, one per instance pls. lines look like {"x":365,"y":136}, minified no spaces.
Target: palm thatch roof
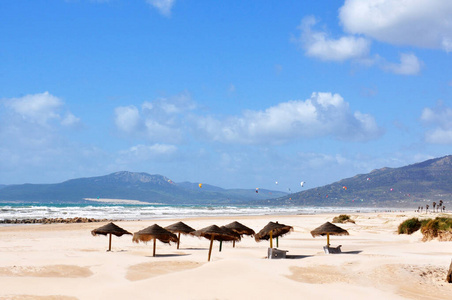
{"x":328,"y":228}
{"x":217,"y":234}
{"x":180,"y":227}
{"x":275,"y":228}
{"x":154,"y":232}
{"x":240,"y":228}
{"x":110,"y":228}
{"x":232,"y":232}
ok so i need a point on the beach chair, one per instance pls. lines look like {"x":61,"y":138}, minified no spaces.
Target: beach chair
{"x":332,"y":250}
{"x":274,"y":253}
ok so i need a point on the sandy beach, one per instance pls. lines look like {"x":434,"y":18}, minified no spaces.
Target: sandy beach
{"x":64,"y":261}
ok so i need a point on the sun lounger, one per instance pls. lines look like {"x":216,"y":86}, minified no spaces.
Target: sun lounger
{"x":332,"y":250}
{"x":274,"y":253}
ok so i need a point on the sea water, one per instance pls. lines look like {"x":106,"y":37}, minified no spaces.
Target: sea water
{"x":13,"y":211}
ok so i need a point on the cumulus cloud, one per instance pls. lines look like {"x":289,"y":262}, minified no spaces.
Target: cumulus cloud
{"x":440,"y":117}
{"x":324,"y":114}
{"x":159,"y":121}
{"x":420,"y":23}
{"x":163,"y":6}
{"x":409,"y":65}
{"x":39,"y":109}
{"x":318,"y":44}
{"x":127,"y":118}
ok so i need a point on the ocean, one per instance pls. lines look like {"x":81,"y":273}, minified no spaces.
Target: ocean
{"x":13,"y":211}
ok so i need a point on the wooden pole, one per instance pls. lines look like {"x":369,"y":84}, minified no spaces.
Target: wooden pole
{"x":178,"y":240}
{"x":271,"y":239}
{"x":327,"y":239}
{"x":109,"y":244}
{"x":153,"y":252}
{"x":233,"y":244}
{"x":210,"y":248}
{"x":221,"y":243}
{"x":449,"y":274}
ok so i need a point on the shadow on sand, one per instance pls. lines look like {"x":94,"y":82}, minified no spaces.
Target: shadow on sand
{"x":168,"y":255}
{"x":194,"y":248}
{"x":351,"y":252}
{"x":297,"y":256}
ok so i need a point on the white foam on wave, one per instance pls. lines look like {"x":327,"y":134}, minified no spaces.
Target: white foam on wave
{"x":144,"y":212}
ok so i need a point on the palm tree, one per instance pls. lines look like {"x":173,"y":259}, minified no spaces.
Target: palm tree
{"x":441,"y":204}
{"x":434,"y":205}
{"x":426,"y":208}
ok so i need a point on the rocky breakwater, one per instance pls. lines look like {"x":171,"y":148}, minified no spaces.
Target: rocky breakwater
{"x":53,"y":220}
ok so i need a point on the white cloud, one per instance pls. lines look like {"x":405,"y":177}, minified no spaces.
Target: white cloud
{"x":70,"y":120}
{"x":39,"y":109}
{"x":127,"y":118}
{"x":318,"y":44}
{"x":409,"y":65}
{"x":161,"y":120}
{"x":145,"y":152}
{"x":421,"y":23}
{"x":324,"y":114}
{"x":441,"y":118}
{"x":163,"y":6}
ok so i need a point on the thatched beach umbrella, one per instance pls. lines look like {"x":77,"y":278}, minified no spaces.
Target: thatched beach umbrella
{"x":154,"y":232}
{"x":230,"y":232}
{"x":327,"y":229}
{"x":272,"y":230}
{"x":214,"y":232}
{"x":240,"y":229}
{"x":110,"y":229}
{"x":179,"y":227}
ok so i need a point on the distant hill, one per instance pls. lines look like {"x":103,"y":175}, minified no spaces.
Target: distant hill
{"x":408,"y":186}
{"x":419,"y":183}
{"x":133,"y":186}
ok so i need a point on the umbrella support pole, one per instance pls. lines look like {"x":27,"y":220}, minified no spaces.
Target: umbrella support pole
{"x":210,"y":248}
{"x":233,"y":244}
{"x":153,"y":251}
{"x":178,"y":239}
{"x":109,"y":244}
{"x":271,"y":239}
{"x":221,"y":243}
{"x":277,"y":242}
{"x":327,"y":239}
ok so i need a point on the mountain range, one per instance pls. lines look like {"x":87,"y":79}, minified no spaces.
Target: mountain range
{"x":406,"y":186}
{"x":132,"y":186}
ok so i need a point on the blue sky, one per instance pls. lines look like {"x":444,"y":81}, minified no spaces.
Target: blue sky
{"x":239,"y":94}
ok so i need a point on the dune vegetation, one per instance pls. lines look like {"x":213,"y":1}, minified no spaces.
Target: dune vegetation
{"x":440,"y":227}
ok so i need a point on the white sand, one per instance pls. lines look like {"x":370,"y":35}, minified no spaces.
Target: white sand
{"x":63,"y":261}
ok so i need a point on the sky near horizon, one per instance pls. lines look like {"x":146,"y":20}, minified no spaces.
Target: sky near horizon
{"x":238,"y":94}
